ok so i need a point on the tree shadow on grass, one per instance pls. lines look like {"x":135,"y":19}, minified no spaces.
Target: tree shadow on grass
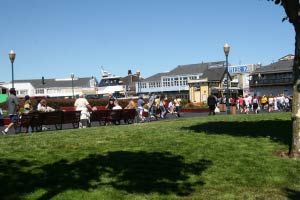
{"x":277,"y":130}
{"x":133,"y":172}
{"x":292,"y":194}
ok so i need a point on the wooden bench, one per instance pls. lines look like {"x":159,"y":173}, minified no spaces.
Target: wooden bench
{"x":36,"y":120}
{"x":129,"y":115}
{"x":99,"y":116}
{"x":71,"y":117}
{"x":114,"y":116}
{"x":68,"y":108}
{"x":51,"y":118}
{"x":30,"y":120}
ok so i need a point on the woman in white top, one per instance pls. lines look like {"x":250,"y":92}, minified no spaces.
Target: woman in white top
{"x":42,"y":106}
{"x":117,"y":106}
{"x":271,"y":103}
{"x":81,"y":104}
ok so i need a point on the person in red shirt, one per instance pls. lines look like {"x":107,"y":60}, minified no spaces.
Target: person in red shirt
{"x":241,"y":104}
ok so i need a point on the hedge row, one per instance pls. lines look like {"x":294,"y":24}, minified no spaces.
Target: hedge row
{"x":57,"y":103}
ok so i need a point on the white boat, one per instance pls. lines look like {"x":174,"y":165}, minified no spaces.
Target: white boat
{"x":110,"y":84}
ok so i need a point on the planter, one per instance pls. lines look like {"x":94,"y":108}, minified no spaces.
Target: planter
{"x":194,"y":110}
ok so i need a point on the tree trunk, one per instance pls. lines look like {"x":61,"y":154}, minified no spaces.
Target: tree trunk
{"x":295,"y":143}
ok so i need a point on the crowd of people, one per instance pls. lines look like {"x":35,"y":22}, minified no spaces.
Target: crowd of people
{"x":152,"y":107}
{"x":256,"y":104}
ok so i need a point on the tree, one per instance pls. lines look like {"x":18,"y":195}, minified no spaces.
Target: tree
{"x":292,"y":10}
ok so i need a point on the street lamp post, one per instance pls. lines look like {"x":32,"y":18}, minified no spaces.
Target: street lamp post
{"x":259,"y":77}
{"x":138,"y":73}
{"x":12,"y":56}
{"x":72,"y":77}
{"x":226,"y":51}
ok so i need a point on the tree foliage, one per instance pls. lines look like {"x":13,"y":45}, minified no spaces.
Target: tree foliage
{"x":291,"y":8}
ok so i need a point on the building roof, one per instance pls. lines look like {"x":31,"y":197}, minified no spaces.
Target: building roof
{"x":276,"y":67}
{"x":191,"y":69}
{"x":214,"y":74}
{"x":155,"y":77}
{"x":54,"y":83}
{"x":287,"y":57}
{"x":130,"y":79}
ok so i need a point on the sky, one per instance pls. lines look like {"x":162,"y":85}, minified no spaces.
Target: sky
{"x":54,"y":38}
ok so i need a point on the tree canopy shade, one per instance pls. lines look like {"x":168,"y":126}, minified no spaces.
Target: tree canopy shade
{"x":292,"y":10}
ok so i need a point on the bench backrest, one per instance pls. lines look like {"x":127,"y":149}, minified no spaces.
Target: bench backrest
{"x":50,"y":118}
{"x":115,"y":115}
{"x":129,"y":114}
{"x":68,"y":108}
{"x":71,"y":117}
{"x":99,"y":115}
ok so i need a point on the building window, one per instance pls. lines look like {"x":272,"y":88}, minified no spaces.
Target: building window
{"x":193,"y":77}
{"x":23,"y":92}
{"x":152,"y":85}
{"x":176,"y":82}
{"x":184,"y":82}
{"x":213,"y":84}
{"x":39,"y":91}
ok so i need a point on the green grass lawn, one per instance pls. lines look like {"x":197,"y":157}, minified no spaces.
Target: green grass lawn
{"x":215,"y":157}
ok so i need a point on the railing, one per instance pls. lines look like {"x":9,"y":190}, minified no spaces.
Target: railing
{"x":262,"y":82}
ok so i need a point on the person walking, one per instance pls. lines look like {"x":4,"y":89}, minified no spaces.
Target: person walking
{"x":255,"y":104}
{"x":177,"y":102}
{"x":12,"y":108}
{"x":27,"y":108}
{"x":212,"y":103}
{"x":163,"y":110}
{"x":150,"y":106}
{"x":82,"y":104}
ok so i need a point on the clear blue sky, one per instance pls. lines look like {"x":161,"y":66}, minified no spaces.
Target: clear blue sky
{"x":53,"y":38}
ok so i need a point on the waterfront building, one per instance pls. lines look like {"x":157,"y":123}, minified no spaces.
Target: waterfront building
{"x":275,"y":78}
{"x":58,"y":88}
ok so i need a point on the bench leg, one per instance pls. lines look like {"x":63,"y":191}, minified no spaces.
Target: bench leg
{"x":58,"y":126}
{"x":75,"y":125}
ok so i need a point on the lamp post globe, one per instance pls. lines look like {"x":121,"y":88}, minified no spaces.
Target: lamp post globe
{"x":226,"y":51}
{"x":12,"y":56}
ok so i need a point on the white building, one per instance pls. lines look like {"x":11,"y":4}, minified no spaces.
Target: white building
{"x":54,"y":87}
{"x":175,"y":82}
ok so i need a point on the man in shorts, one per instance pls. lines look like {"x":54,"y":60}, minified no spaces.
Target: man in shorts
{"x":12,"y":109}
